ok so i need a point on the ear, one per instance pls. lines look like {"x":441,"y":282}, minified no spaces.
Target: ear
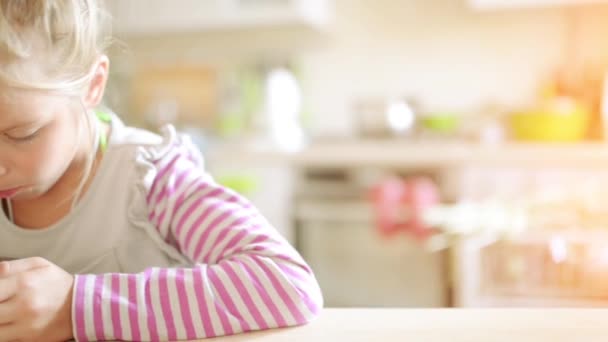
{"x":94,"y":93}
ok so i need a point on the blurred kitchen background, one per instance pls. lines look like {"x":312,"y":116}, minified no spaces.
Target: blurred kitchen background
{"x":418,"y":153}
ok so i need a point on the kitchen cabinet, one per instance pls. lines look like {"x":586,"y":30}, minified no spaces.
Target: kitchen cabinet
{"x":559,"y":262}
{"x":148,"y":17}
{"x":504,"y":4}
{"x":356,"y":267}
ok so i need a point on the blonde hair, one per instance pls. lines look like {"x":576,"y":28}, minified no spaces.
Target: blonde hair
{"x":54,"y":46}
{"x":51,"y":44}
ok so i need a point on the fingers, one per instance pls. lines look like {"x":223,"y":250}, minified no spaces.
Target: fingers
{"x":8,"y":288}
{"x":8,"y":312}
{"x":12,"y":267}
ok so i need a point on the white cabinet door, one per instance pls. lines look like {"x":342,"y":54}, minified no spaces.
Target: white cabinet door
{"x":172,"y":16}
{"x":504,"y":4}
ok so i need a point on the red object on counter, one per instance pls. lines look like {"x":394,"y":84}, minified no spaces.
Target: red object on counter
{"x":399,"y":205}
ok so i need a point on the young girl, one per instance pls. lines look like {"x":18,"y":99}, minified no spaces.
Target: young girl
{"x":112,"y":233}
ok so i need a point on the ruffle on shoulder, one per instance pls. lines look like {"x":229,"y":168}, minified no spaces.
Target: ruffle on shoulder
{"x":150,"y":161}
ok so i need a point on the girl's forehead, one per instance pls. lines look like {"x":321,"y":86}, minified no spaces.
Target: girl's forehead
{"x":16,"y":96}
{"x":23,"y":106}
{"x":15,"y":99}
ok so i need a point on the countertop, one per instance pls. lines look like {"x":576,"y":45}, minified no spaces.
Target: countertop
{"x":430,"y":325}
{"x":403,"y":153}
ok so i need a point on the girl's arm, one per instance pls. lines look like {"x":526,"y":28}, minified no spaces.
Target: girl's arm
{"x":247,"y":277}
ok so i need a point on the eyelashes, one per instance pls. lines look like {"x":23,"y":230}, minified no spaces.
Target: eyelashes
{"x":22,"y":139}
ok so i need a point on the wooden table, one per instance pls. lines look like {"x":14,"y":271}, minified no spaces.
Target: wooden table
{"x":430,"y":325}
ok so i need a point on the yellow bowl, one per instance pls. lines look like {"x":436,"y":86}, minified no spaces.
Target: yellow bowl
{"x":550,"y":126}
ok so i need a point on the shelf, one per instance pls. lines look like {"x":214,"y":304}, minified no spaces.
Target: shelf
{"x":405,"y":154}
{"x":516,"y":4}
{"x":534,"y":302}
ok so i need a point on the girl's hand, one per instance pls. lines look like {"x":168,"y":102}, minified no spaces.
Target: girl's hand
{"x":35,"y":301}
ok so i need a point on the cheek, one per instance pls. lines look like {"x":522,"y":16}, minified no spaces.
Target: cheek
{"x":49,"y":155}
{"x":40,"y":161}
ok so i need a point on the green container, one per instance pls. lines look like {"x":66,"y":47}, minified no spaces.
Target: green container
{"x":241,"y":183}
{"x":441,"y":123}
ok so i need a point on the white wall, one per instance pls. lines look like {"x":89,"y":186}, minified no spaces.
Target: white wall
{"x":440,"y":51}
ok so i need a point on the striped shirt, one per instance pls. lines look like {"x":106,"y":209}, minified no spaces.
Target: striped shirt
{"x":244,"y":275}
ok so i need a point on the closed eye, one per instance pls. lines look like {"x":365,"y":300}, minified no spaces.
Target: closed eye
{"x":23,"y":138}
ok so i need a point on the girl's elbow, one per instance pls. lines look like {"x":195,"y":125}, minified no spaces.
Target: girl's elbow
{"x":310,"y":302}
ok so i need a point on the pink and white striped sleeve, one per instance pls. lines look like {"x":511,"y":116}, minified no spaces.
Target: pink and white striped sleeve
{"x":246,"y":276}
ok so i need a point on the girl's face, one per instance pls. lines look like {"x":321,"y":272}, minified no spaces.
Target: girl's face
{"x":41,"y":135}
{"x":45,"y":137}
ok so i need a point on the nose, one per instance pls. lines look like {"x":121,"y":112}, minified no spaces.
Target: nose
{"x":3,"y":170}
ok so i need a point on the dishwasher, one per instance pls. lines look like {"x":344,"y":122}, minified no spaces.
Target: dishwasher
{"x":354,"y":264}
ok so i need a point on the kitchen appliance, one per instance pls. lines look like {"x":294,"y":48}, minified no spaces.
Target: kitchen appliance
{"x":354,"y":264}
{"x":379,"y":118}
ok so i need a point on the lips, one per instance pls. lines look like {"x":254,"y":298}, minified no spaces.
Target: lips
{"x":9,"y":192}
